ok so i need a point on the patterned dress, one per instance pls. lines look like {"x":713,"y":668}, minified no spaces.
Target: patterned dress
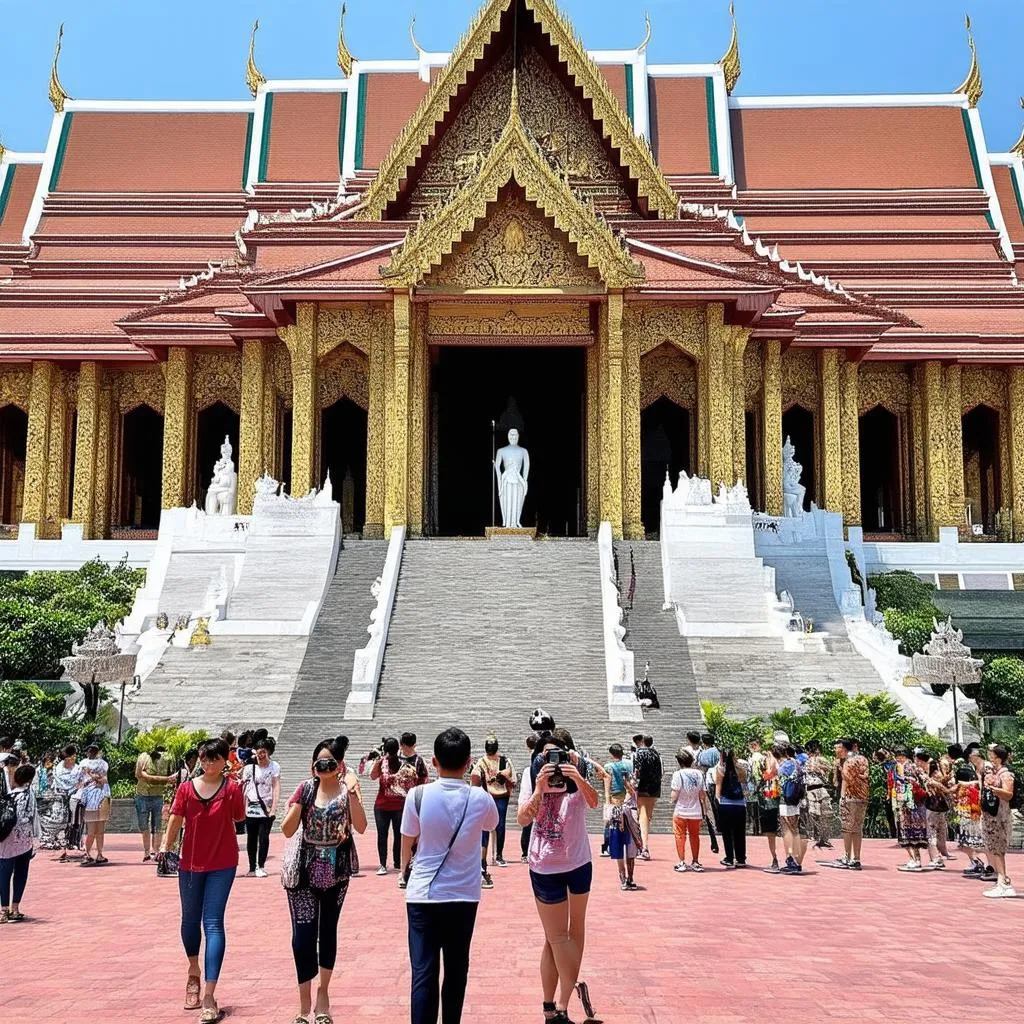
{"x":968,"y":810}
{"x":60,"y":825}
{"x":909,"y":807}
{"x":995,"y":828}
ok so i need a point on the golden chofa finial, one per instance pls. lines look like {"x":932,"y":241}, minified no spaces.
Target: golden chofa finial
{"x":647,"y":36}
{"x":57,"y":94}
{"x":971,"y":86}
{"x":253,"y":76}
{"x":412,"y":35}
{"x":730,"y":61}
{"x":1019,"y":147}
{"x":345,"y":58}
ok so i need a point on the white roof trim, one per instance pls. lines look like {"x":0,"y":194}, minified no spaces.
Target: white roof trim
{"x":308,"y":85}
{"x":13,"y":157}
{"x":1003,"y":159}
{"x":682,"y":70}
{"x":162,"y":106}
{"x":613,"y":56}
{"x":989,"y":183}
{"x":952,"y":99}
{"x":35,"y":211}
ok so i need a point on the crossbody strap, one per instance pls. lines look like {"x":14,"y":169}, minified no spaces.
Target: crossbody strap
{"x":256,"y":789}
{"x":418,"y":798}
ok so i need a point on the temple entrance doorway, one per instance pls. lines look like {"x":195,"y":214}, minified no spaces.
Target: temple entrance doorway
{"x":213,"y":424}
{"x":982,"y":484}
{"x":798,"y":426}
{"x":142,"y":444}
{"x":13,"y":439}
{"x":664,"y":447}
{"x":881,"y":499}
{"x":540,"y":391}
{"x":343,"y":455}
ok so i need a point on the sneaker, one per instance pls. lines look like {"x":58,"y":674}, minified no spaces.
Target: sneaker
{"x":728,"y":863}
{"x":250,"y":874}
{"x":501,"y":862}
{"x":261,"y":873}
{"x":696,"y":866}
{"x":791,"y":868}
{"x":382,"y":870}
{"x":623,"y":884}
{"x":402,"y":882}
{"x":911,"y":865}
{"x":681,"y":867}
{"x":524,"y":859}
{"x":854,"y":865}
{"x":646,"y":855}
{"x":839,"y":862}
{"x":1000,"y":891}
{"x":605,"y":853}
{"x":825,"y":845}
{"x":773,"y":868}
{"x":487,"y":882}
{"x":973,"y":871}
{"x":988,"y":875}
{"x":938,"y":864}
{"x":631,"y":885}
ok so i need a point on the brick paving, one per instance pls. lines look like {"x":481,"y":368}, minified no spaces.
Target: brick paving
{"x":726,"y":947}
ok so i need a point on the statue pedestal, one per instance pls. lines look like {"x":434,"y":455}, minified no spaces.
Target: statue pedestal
{"x":510,"y":533}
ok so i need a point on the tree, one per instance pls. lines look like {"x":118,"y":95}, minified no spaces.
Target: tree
{"x":1002,"y":687}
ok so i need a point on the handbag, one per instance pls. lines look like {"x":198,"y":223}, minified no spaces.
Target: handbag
{"x":989,"y":802}
{"x":291,"y":859}
{"x":167,"y":863}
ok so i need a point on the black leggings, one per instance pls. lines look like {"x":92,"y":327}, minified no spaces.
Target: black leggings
{"x":733,"y":823}
{"x":382,"y":819}
{"x":315,"y":914}
{"x":257,"y":840}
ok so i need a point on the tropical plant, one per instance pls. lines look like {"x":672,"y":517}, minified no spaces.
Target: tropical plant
{"x":1002,"y":687}
{"x":902,"y":590}
{"x":913,"y":629}
{"x":175,"y":739}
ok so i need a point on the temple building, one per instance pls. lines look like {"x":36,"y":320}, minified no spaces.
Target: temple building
{"x":377,"y":276}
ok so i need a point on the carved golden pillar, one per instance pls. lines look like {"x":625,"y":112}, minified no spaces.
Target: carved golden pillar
{"x":739,"y":407}
{"x":85,"y":511}
{"x":718,"y":407}
{"x":917,"y":450}
{"x":177,"y":427}
{"x":771,"y":412}
{"x":302,"y":348}
{"x":955,"y":444}
{"x":375,"y":439}
{"x":850,"y":415}
{"x":417,"y":418}
{"x":611,"y":413}
{"x":252,"y":423}
{"x":396,"y":463}
{"x":633,"y":525}
{"x":106,"y":466}
{"x":593,"y":435}
{"x":37,"y":445}
{"x":1015,"y":391}
{"x":831,"y":461}
{"x":56,"y":472}
{"x":935,"y":426}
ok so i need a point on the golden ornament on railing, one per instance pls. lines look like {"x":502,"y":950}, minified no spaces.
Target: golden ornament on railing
{"x":1019,"y":147}
{"x":730,"y":61}
{"x":253,"y":76}
{"x":57,"y":94}
{"x":345,"y":58}
{"x":971,"y":86}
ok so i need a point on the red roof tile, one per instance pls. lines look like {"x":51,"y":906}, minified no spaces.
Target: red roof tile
{"x":304,"y":144}
{"x":615,"y":76}
{"x":19,"y":199}
{"x":391,"y":99}
{"x":1009,"y":202}
{"x":679,"y":124}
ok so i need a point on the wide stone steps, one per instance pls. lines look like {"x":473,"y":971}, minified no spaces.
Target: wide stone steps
{"x":279,"y":580}
{"x":809,"y":582}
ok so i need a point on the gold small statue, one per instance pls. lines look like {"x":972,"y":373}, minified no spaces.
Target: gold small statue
{"x":201,"y":634}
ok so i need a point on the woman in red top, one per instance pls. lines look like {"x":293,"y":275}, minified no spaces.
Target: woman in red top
{"x":394,"y":780}
{"x":210,"y":804}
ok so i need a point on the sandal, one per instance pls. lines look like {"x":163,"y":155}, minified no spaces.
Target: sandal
{"x":102,"y":860}
{"x":192,"y":989}
{"x":87,"y":862}
{"x":583,"y":991}
{"x":15,"y":916}
{"x":323,"y":1018}
{"x":211,"y":1015}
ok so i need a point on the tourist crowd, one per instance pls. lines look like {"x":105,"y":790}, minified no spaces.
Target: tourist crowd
{"x":442,"y":837}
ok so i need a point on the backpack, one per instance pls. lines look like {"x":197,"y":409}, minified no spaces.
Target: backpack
{"x":8,"y":807}
{"x":732,"y":788}
{"x":793,"y":787}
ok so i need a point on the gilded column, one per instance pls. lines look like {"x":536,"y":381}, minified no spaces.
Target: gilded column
{"x":417,"y":419}
{"x":771,"y":411}
{"x":831,"y":487}
{"x":105,"y":465}
{"x":37,"y":445}
{"x":56,"y":472}
{"x":633,"y":526}
{"x":375,"y":443}
{"x":396,"y":459}
{"x":611,"y":413}
{"x":935,"y":427}
{"x":177,"y":427}
{"x":1015,"y":390}
{"x":955,"y":444}
{"x":85,"y":511}
{"x":593,"y":435}
{"x":302,"y":347}
{"x":850,"y":415}
{"x":917,"y":444}
{"x":718,"y":414}
{"x":739,"y":407}
{"x":252,"y":423}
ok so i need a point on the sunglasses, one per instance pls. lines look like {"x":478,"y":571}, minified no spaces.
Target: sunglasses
{"x":325,"y":764}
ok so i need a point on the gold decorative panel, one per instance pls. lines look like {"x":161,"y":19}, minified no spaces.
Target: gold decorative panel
{"x":753,"y":374}
{"x":15,"y":386}
{"x":883,"y":384}
{"x":343,"y":374}
{"x":140,"y":386}
{"x":356,"y":324}
{"x":656,"y":322}
{"x":218,"y":378}
{"x":799,"y":379}
{"x":667,"y":372}
{"x":983,"y":385}
{"x":523,"y":319}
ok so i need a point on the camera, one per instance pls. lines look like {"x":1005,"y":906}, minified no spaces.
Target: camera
{"x":557,"y":757}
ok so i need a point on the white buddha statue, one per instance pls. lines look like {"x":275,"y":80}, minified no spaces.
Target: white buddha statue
{"x":512,"y":480}
{"x":792,"y":490}
{"x":223,"y":489}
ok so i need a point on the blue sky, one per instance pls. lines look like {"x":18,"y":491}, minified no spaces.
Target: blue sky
{"x":195,"y":49}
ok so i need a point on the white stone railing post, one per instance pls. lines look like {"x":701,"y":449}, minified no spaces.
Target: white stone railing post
{"x":618,"y":660}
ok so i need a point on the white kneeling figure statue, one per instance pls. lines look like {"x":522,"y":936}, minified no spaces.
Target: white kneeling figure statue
{"x":792,"y":490}
{"x":223,"y":489}
{"x":512,"y":480}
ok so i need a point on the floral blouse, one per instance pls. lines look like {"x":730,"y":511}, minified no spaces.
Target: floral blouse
{"x":327,"y":849}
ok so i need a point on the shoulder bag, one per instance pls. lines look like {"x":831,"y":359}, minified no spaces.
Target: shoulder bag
{"x":291,"y":859}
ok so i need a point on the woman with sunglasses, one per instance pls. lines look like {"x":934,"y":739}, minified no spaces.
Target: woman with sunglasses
{"x":328,"y":810}
{"x":209,"y":804}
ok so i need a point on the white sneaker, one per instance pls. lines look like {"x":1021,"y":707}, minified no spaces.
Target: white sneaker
{"x":938,"y":864}
{"x":681,"y":866}
{"x":382,"y":870}
{"x":250,"y":874}
{"x":1000,"y":891}
{"x":911,"y":865}
{"x":261,"y":873}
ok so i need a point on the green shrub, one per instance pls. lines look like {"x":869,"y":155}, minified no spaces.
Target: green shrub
{"x":901,"y":590}
{"x":173,"y":738}
{"x":913,"y":629}
{"x":1002,"y":687}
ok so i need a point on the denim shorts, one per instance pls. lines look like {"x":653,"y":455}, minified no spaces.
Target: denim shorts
{"x":149,"y":809}
{"x":556,"y":888}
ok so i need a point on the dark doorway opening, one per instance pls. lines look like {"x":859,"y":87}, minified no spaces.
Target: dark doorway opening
{"x":664,"y":447}
{"x":881,"y":499}
{"x":752,"y":459}
{"x":142,"y":469}
{"x":540,"y":391}
{"x":343,"y":455}
{"x":13,"y":440}
{"x":284,"y":455}
{"x":213,"y":424}
{"x":798,"y":426}
{"x":982,"y":485}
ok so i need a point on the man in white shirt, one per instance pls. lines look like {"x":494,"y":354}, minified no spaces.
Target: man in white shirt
{"x":444,"y":820}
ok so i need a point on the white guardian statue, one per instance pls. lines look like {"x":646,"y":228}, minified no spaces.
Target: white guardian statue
{"x":792,"y":490}
{"x":223,"y":489}
{"x":512,"y":466}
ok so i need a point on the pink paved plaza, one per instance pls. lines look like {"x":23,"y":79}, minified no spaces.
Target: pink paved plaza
{"x":732,"y":947}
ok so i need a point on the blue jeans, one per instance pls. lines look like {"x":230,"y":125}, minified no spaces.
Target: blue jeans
{"x":204,"y":897}
{"x":501,"y":802}
{"x":436,"y":928}
{"x":13,"y":878}
{"x":148,"y":809}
